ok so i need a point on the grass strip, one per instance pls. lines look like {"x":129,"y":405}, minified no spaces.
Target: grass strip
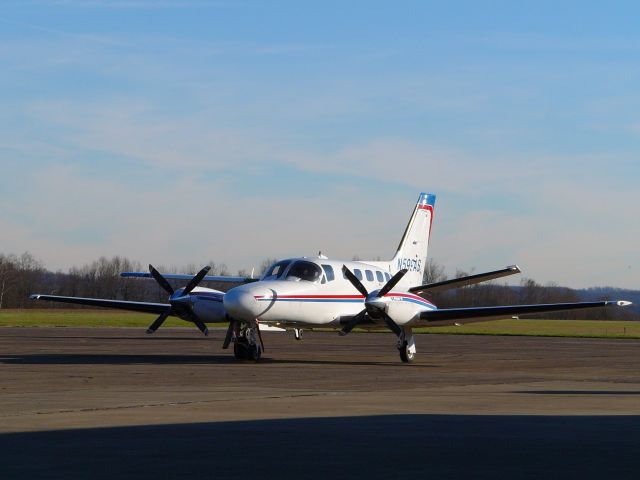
{"x":111,"y":318}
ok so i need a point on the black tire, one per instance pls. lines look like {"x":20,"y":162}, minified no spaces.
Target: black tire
{"x":405,"y":355}
{"x":240,"y":349}
{"x":254,"y":352}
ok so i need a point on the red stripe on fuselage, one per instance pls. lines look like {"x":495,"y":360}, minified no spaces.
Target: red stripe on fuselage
{"x":311,"y":296}
{"x":342,"y":297}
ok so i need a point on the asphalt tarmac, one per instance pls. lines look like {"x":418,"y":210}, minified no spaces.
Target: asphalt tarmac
{"x":101,"y":403}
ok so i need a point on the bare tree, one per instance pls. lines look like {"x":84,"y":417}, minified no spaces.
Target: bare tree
{"x":433,"y":272}
{"x":266,"y":263}
{"x":7,"y":276}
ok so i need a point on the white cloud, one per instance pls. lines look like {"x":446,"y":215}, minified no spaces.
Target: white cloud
{"x":133,"y":130}
{"x":573,"y":233}
{"x":492,"y":209}
{"x":69,"y":218}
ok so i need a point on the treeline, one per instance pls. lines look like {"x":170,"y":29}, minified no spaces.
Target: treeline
{"x":22,"y":275}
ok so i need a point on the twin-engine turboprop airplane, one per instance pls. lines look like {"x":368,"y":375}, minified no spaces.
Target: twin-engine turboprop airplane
{"x":310,"y":292}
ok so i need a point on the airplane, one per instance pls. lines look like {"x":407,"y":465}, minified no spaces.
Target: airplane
{"x":312,"y":292}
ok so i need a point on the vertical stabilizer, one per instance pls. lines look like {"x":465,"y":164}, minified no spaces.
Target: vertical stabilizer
{"x":412,"y":251}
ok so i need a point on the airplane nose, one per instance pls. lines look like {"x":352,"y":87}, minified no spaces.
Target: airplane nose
{"x":241,"y":304}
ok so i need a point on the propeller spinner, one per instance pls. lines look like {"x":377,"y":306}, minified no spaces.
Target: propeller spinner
{"x":180,"y":301}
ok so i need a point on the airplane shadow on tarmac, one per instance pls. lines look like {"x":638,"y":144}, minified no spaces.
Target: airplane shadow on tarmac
{"x":132,"y":359}
{"x":372,"y":447}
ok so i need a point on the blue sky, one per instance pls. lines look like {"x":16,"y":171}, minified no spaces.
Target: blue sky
{"x":178,"y":132}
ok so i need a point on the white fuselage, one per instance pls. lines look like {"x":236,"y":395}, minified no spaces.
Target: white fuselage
{"x":288,"y":300}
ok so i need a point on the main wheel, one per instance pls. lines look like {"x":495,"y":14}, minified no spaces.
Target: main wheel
{"x":254,"y":352}
{"x":406,"y":355}
{"x":241,"y":348}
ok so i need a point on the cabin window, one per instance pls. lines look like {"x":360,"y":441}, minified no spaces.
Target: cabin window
{"x":302,"y":270}
{"x":276,"y":270}
{"x":379,"y":276}
{"x":358,"y":273}
{"x":328,"y":271}
{"x":369,"y":275}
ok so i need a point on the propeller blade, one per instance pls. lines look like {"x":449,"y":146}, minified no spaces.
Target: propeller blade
{"x":260,"y":335}
{"x":193,"y":283}
{"x":392,"y":283}
{"x":354,"y":281}
{"x":230,"y":330}
{"x":159,"y":321}
{"x":198,"y":323}
{"x":393,"y":326}
{"x":161,"y":280}
{"x":352,"y":324}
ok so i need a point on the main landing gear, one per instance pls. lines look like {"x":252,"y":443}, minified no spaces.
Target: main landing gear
{"x":245,"y":345}
{"x":406,"y":345}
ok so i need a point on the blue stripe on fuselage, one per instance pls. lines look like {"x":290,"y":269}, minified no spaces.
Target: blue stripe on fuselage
{"x":338,"y":300}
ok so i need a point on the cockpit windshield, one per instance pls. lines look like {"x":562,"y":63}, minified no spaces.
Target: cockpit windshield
{"x":302,"y":270}
{"x":276,"y":270}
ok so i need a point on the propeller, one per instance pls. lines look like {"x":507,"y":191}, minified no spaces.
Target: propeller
{"x":180,"y":301}
{"x":230,"y":331}
{"x":371,"y":306}
{"x":161,"y":280}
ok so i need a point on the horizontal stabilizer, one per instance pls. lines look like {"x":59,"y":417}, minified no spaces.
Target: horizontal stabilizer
{"x":450,"y":316}
{"x":181,"y":276}
{"x":103,"y":303}
{"x":464,"y":281}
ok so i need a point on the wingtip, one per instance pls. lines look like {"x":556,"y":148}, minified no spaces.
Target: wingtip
{"x":623,"y":303}
{"x":34,"y":296}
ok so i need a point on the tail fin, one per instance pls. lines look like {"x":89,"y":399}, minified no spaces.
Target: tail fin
{"x":412,"y":251}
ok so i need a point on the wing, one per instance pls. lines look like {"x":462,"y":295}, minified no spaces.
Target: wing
{"x":451,"y":316}
{"x":464,"y":281}
{"x":180,"y":276}
{"x":102,"y":303}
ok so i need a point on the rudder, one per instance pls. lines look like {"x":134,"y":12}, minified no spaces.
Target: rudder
{"x":412,"y":250}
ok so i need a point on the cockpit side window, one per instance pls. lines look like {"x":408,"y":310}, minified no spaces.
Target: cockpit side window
{"x":369,"y":275}
{"x":304,"y":271}
{"x":276,"y":270}
{"x":328,"y":271}
{"x":358,"y":273}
